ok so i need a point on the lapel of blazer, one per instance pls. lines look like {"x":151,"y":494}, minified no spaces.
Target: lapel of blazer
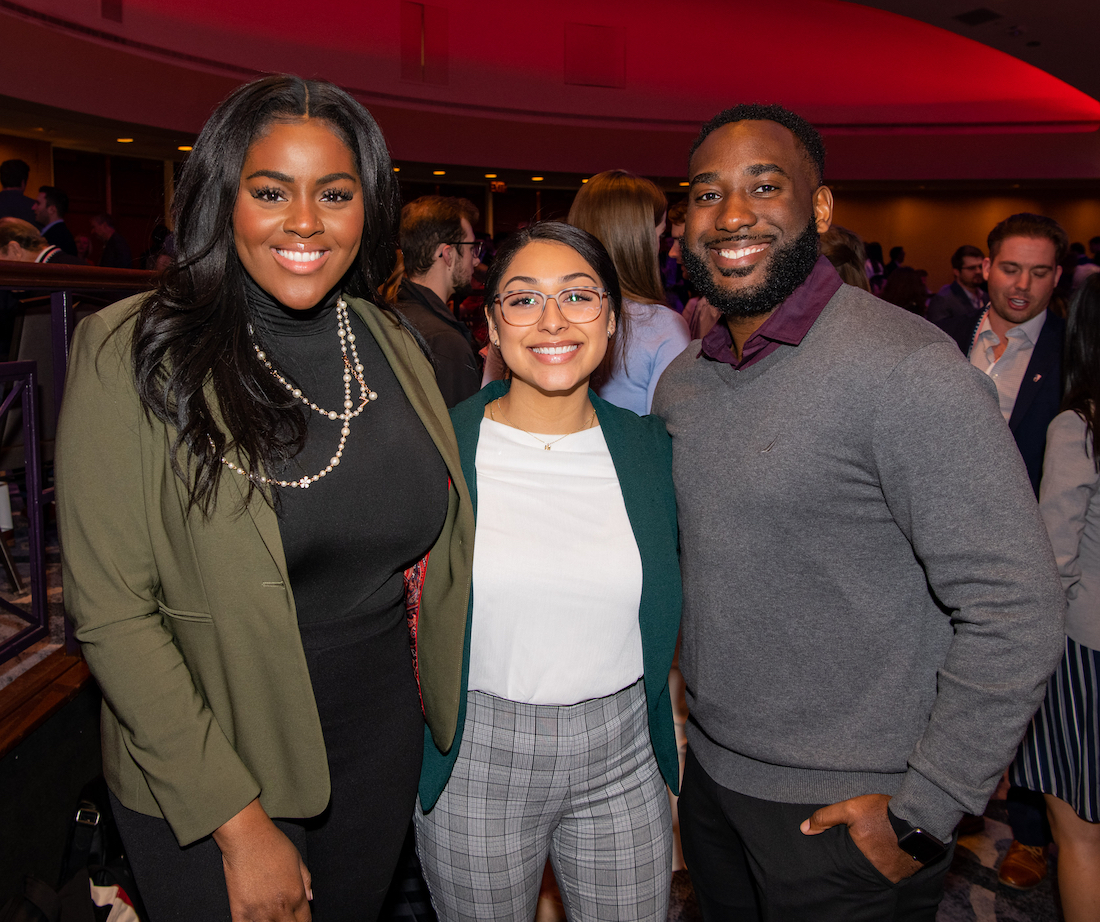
{"x":629,"y":474}
{"x":467,"y":418}
{"x":1040,"y":369}
{"x":629,"y":457}
{"x":265,"y":520}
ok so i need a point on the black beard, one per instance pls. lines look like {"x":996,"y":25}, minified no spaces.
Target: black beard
{"x":785,"y":269}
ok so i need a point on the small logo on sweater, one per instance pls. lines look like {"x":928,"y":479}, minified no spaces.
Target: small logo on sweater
{"x":771,"y":445}
{"x":1035,"y":380}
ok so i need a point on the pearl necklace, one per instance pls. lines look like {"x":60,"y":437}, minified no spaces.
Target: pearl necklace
{"x":545,"y":445}
{"x":352,"y":368}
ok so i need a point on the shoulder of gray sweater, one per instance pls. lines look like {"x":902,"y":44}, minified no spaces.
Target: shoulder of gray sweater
{"x":868,"y":323}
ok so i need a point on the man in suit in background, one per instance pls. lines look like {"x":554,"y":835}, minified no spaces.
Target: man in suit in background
{"x":116,"y":251}
{"x":964,"y":296}
{"x":897,"y":260}
{"x":13,"y":180}
{"x":49,"y":211}
{"x":1018,"y":343}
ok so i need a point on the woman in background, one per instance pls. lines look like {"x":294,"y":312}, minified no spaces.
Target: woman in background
{"x":249,"y":458}
{"x":626,"y":213}
{"x":876,"y":271}
{"x":566,"y":727}
{"x":1060,"y":754}
{"x":905,"y":288}
{"x":844,"y":249}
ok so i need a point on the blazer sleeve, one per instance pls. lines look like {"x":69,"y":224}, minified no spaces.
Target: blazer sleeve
{"x":105,"y":498}
{"x":1069,"y":485}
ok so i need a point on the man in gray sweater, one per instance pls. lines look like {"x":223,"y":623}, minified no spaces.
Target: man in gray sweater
{"x":871,"y":605}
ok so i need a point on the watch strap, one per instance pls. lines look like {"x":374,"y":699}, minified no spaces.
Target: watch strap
{"x":918,"y":843}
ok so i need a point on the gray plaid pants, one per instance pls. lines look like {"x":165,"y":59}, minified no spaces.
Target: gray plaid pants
{"x":578,"y":782}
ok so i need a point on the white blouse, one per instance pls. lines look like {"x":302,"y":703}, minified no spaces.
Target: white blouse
{"x":557,"y":573}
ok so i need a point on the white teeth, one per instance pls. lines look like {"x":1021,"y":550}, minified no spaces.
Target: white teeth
{"x":744,"y":251}
{"x":554,"y":350}
{"x":301,"y":257}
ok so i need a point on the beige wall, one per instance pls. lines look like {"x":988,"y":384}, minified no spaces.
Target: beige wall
{"x":931,"y":226}
{"x":35,"y":153}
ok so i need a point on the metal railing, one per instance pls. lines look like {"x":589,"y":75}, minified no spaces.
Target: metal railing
{"x":22,"y":376}
{"x":65,"y":285}
{"x":62,"y":282}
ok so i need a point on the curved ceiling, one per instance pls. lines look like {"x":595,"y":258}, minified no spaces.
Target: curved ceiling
{"x":1058,"y":36}
{"x":509,"y":83}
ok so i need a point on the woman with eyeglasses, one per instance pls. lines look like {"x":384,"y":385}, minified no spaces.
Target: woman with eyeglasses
{"x":565,"y":738}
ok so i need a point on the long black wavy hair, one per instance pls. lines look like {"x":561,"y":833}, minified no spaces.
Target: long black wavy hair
{"x":1081,"y":362}
{"x":191,"y":341}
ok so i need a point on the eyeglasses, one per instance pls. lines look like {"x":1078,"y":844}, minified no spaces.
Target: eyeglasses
{"x":478,"y":246}
{"x":523,"y":308}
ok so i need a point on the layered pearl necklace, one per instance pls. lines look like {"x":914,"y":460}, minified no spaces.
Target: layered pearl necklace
{"x":352,"y":368}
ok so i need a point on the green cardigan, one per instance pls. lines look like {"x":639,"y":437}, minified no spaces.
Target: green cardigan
{"x":188,"y":623}
{"x":642,"y":454}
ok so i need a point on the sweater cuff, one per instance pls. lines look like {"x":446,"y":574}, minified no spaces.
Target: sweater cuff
{"x":920,"y":803}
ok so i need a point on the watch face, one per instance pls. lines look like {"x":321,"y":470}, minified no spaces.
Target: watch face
{"x":923,"y":846}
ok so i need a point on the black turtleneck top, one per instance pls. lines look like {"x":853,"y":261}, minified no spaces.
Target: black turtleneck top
{"x":349,"y":537}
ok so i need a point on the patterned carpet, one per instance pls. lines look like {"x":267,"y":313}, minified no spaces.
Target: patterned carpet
{"x":972,"y":892}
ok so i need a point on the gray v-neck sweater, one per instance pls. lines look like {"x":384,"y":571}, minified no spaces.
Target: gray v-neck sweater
{"x":870,"y":599}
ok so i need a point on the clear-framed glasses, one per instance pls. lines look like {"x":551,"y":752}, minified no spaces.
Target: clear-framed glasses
{"x":523,"y":308}
{"x":478,"y":246}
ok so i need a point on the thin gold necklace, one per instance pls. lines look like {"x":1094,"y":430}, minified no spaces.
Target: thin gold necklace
{"x":545,"y":445}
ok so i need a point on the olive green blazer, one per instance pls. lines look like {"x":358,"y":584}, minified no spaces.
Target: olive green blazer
{"x":188,"y":623}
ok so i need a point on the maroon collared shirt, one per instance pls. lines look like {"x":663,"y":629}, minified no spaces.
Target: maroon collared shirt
{"x":787,"y":324}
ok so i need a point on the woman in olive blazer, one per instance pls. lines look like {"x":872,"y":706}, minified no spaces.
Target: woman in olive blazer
{"x":262,"y":728}
{"x":217,"y":724}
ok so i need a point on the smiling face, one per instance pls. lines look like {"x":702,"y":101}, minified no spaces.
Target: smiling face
{"x":1021,"y":279}
{"x":552,"y":356}
{"x":754,"y":211}
{"x":298,"y":220}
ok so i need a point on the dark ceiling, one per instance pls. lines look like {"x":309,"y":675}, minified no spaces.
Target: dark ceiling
{"x":903,"y":90}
